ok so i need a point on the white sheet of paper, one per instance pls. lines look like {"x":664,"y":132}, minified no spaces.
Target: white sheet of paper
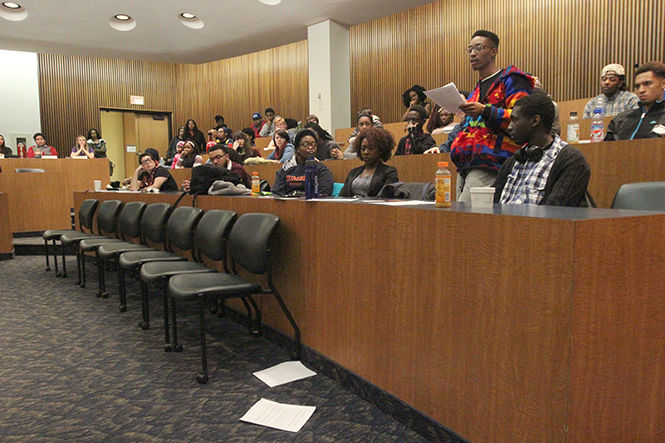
{"x":401,"y":202}
{"x":448,"y":97}
{"x":278,"y":415}
{"x":284,"y":373}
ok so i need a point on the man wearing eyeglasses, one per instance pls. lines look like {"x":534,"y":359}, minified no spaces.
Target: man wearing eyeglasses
{"x":483,"y":143}
{"x":220,"y":156}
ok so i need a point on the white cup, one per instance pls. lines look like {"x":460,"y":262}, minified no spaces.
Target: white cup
{"x":98,"y":185}
{"x":482,"y":197}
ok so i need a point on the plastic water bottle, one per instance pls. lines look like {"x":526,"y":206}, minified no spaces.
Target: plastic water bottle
{"x":573,"y":135}
{"x":256,"y":183}
{"x":597,"y":126}
{"x":442,"y":183}
{"x":311,"y":179}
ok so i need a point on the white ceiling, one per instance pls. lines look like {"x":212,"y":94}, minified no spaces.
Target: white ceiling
{"x":232,"y":27}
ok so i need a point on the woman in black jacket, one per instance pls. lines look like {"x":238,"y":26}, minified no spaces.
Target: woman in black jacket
{"x":375,"y":145}
{"x":193,"y":133}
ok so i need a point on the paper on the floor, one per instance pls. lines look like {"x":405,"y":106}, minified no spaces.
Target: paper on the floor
{"x":284,"y":373}
{"x":278,"y":415}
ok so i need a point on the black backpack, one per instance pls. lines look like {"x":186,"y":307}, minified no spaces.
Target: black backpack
{"x":205,"y":175}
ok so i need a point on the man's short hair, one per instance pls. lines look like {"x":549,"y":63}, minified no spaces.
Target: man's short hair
{"x":538,"y":103}
{"x":422,"y":112}
{"x":488,"y":35}
{"x":269,"y":110}
{"x":219,"y":117}
{"x":152,"y":153}
{"x":657,"y":68}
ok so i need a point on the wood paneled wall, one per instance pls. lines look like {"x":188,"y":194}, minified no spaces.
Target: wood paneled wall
{"x":72,"y":89}
{"x":239,"y":86}
{"x":564,"y":42}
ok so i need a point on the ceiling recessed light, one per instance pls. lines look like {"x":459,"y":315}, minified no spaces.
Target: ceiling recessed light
{"x":13,"y":12}
{"x":271,"y":2}
{"x":190,"y":20}
{"x":122,"y":22}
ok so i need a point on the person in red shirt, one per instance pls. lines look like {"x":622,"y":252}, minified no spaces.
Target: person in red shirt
{"x":41,"y":148}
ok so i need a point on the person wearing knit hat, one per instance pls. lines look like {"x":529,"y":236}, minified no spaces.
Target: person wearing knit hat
{"x":614,"y":97}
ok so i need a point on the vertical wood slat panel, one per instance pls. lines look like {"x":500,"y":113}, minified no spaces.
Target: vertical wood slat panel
{"x":239,"y":86}
{"x":564,"y":42}
{"x":72,"y":89}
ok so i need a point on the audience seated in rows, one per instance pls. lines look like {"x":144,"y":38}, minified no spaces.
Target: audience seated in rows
{"x":242,"y":144}
{"x":648,"y":120}
{"x":416,"y":141}
{"x":413,"y":96}
{"x":376,"y":145}
{"x":327,"y":148}
{"x":268,"y":129}
{"x":284,"y":150}
{"x":4,"y":149}
{"x":546,"y":170}
{"x":81,"y":148}
{"x":150,"y":175}
{"x":188,"y":158}
{"x":40,"y":148}
{"x":212,"y":139}
{"x":291,"y":182}
{"x":193,"y":133}
{"x":482,"y":145}
{"x":440,"y":121}
{"x":614,"y":97}
{"x":257,"y":124}
{"x":173,"y":145}
{"x":96,"y":143}
{"x":364,"y":120}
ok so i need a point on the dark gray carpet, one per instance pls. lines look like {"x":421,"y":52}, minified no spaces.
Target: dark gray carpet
{"x":74,"y":368}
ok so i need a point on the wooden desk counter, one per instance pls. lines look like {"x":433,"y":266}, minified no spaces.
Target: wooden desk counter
{"x":40,"y":201}
{"x":506,"y":324}
{"x":6,"y":239}
{"x":612,"y":164}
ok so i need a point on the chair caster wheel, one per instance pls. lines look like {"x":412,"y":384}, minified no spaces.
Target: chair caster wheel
{"x":122,"y":308}
{"x":58,"y":274}
{"x":203,"y":379}
{"x":143,"y":325}
{"x":168,"y":348}
{"x":104,"y":295}
{"x":178,"y":348}
{"x":256,"y":333}
{"x":47,"y":269}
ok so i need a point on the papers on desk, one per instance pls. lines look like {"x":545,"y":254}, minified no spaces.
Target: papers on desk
{"x":448,"y":97}
{"x":284,"y":373}
{"x":400,"y":202}
{"x":278,"y":415}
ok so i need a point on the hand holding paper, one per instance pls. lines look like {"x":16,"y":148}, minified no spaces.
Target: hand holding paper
{"x":448,"y":97}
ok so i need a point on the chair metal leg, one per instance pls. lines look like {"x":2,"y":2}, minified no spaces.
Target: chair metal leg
{"x":203,"y":376}
{"x":257,"y":320}
{"x":48,"y":267}
{"x":83,"y":277}
{"x":290,"y":318}
{"x":177,"y":347}
{"x":122,"y":307}
{"x":100,"y":292}
{"x":145,"y":313}
{"x":102,"y":276}
{"x":78,"y":267}
{"x":55,"y":258}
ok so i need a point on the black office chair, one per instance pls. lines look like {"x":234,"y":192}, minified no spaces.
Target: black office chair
{"x":180,"y":231}
{"x":86,"y":216}
{"x":129,"y":226}
{"x":210,"y":241}
{"x":645,"y":196}
{"x":153,"y":224}
{"x":107,"y":215}
{"x":248,"y":247}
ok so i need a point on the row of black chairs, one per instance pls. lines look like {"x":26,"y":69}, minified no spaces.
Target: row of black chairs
{"x":153,"y":241}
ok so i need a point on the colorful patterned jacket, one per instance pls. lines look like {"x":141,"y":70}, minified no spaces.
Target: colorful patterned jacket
{"x":484,"y":142}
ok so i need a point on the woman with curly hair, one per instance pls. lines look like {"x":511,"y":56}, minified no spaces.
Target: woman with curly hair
{"x":375,"y":147}
{"x":415,"y":95}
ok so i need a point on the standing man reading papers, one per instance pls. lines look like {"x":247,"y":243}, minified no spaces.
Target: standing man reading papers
{"x":546,"y":170}
{"x":483,"y":143}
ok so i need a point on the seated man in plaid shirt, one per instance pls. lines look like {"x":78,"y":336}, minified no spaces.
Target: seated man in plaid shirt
{"x":546,"y":170}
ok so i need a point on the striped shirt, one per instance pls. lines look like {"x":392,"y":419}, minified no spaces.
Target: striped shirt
{"x":619,"y":102}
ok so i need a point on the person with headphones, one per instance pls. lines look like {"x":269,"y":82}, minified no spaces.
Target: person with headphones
{"x":545,"y":170}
